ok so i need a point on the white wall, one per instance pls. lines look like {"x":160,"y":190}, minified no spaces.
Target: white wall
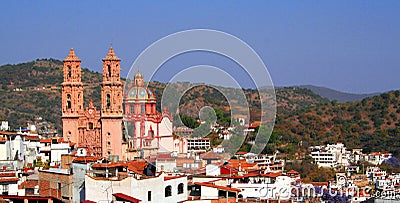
{"x":101,"y":190}
{"x":165,"y":127}
{"x":57,"y":150}
{"x":3,"y":151}
{"x":209,"y":193}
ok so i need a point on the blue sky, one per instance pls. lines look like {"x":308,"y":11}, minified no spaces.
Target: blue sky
{"x":351,"y":46}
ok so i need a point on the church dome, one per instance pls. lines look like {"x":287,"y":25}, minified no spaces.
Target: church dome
{"x":138,"y":75}
{"x":140,"y":93}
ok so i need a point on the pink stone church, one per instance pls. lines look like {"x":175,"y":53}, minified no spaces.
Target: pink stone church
{"x":100,"y":131}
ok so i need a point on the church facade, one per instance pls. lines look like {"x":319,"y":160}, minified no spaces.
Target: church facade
{"x":98,"y":131}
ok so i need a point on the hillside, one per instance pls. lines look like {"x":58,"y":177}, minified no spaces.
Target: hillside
{"x":33,"y":89}
{"x":372,"y":124}
{"x":332,"y":94}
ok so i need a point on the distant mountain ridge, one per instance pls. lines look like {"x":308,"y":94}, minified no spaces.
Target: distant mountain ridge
{"x":332,"y":94}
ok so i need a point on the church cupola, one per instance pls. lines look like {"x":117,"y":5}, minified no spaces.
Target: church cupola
{"x":138,"y":79}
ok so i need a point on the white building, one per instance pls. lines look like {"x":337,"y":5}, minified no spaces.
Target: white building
{"x":9,"y":183}
{"x":375,"y":173}
{"x":31,"y":145}
{"x":219,"y":149}
{"x":56,"y":150}
{"x":377,"y":158}
{"x":264,"y":186}
{"x":162,"y":188}
{"x":198,"y":143}
{"x":4,"y":126}
{"x":331,"y":156}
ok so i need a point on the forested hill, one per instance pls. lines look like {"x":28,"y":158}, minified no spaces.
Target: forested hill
{"x":33,"y":89}
{"x":372,"y":124}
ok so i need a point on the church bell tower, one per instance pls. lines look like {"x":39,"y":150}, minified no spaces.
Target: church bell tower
{"x":72,"y":96}
{"x":111,"y":105}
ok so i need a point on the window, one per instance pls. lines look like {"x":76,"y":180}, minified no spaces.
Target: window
{"x":108,"y":102}
{"x":132,"y":109}
{"x":109,"y":70}
{"x":90,"y":126}
{"x":142,"y":109}
{"x":168,"y":191}
{"x":4,"y":189}
{"x":151,"y":133}
{"x":69,"y":72}
{"x":180,"y":188}
{"x":148,"y":196}
{"x":68,"y":101}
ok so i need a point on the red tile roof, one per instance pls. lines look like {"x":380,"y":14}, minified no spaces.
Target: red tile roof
{"x":172,"y":177}
{"x":7,"y":133}
{"x":88,"y":201}
{"x":292,"y":172}
{"x":30,"y":184}
{"x":8,"y":174}
{"x":271,"y":175}
{"x":32,"y":138}
{"x":7,"y":179}
{"x":218,"y":187}
{"x":45,"y":140}
{"x":126,"y":197}
{"x":241,"y":153}
{"x":137,"y":166}
{"x":85,"y":159}
{"x":210,"y":155}
{"x":164,"y":156}
{"x":109,"y":165}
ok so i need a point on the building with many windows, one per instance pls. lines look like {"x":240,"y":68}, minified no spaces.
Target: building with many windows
{"x":332,"y":156}
{"x":198,"y":143}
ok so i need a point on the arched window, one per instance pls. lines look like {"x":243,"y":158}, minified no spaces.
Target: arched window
{"x":68,"y":101}
{"x":180,"y":188}
{"x":151,"y":133}
{"x":69,"y":72}
{"x":109,"y":70}
{"x":108,"y":102}
{"x":168,"y":191}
